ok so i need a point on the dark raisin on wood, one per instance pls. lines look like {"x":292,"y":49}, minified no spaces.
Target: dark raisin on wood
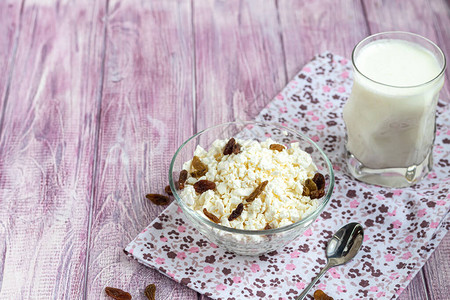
{"x":317,"y":194}
{"x":202,"y":186}
{"x":276,"y":147}
{"x":158,"y":199}
{"x":320,"y":295}
{"x":117,"y":294}
{"x":319,"y":180}
{"x":168,"y":190}
{"x":259,"y":189}
{"x":211,"y":216}
{"x":182,"y":179}
{"x":267,"y":227}
{"x":199,"y":167}
{"x":231,"y":147}
{"x":236,"y":212}
{"x":150,"y":291}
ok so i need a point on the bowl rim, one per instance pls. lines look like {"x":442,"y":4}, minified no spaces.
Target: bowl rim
{"x":304,"y":220}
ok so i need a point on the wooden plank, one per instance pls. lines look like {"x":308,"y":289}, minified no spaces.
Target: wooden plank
{"x":416,"y":289}
{"x":437,"y":271}
{"x":239,"y":59}
{"x":146,"y":113}
{"x":312,"y":27}
{"x":9,"y":32}
{"x":47,"y":146}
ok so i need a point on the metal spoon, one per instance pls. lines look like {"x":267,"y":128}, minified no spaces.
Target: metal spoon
{"x":341,"y":248}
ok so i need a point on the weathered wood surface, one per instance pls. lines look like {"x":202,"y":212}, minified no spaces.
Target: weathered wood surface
{"x":146,"y":109}
{"x":97,"y":95}
{"x":47,"y":153}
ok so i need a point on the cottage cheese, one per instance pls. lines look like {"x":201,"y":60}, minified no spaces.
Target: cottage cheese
{"x":237,"y":175}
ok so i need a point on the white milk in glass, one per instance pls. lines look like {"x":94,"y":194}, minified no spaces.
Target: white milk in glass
{"x":390,"y":114}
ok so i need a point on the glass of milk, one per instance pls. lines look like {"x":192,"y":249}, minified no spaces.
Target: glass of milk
{"x":390,"y":114}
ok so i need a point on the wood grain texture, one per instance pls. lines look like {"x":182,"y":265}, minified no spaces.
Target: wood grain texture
{"x":146,"y":113}
{"x":100,"y":95}
{"x":312,"y":27}
{"x":437,"y":271}
{"x":10,"y":12}
{"x":239,"y":59}
{"x":49,"y":121}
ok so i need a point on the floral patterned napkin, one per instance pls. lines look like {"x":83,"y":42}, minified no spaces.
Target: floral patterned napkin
{"x":402,"y":226}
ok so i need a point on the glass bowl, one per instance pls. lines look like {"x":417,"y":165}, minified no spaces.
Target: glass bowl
{"x":241,"y":241}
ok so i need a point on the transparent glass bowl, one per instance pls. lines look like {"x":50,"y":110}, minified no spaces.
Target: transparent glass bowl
{"x":240,"y":241}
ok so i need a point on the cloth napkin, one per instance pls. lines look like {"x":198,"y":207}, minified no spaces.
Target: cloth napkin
{"x":402,"y":226}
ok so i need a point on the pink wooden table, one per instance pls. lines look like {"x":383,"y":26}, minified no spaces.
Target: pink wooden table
{"x":97,"y":95}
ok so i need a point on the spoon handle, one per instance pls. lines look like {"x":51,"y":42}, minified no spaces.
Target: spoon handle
{"x":306,"y":290}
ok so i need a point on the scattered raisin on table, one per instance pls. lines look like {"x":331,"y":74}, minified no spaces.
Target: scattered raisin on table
{"x":237,"y":212}
{"x":259,"y":189}
{"x":211,"y":216}
{"x":158,"y":199}
{"x":117,"y":294}
{"x":202,"y":186}
{"x":150,"y":291}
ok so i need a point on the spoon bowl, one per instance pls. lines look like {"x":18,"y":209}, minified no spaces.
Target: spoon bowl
{"x":341,"y":248}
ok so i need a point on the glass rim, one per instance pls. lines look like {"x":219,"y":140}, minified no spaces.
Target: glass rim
{"x":408,"y":34}
{"x":304,"y":220}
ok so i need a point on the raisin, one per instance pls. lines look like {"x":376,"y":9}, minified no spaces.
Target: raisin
{"x":231,"y":147}
{"x":211,"y":216}
{"x":202,"y":186}
{"x":158,"y":199}
{"x":277,"y":147}
{"x":237,"y":149}
{"x":267,"y":227}
{"x":259,"y":189}
{"x":150,"y":292}
{"x":237,"y":212}
{"x":317,"y":194}
{"x":306,"y":191}
{"x":200,"y":168}
{"x":168,"y":190}
{"x":320,"y":295}
{"x":182,"y":179}
{"x":319,"y":180}
{"x":311,"y":185}
{"x":117,"y":294}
